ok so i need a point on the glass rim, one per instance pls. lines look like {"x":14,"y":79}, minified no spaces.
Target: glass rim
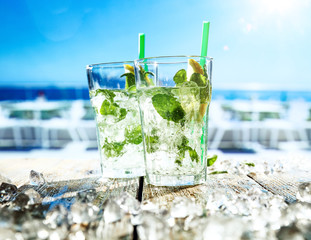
{"x":105,"y":64}
{"x":102,"y":65}
{"x":174,"y":56}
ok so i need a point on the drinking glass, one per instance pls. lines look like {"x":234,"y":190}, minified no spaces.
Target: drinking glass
{"x":174,"y":94}
{"x":113,"y":96}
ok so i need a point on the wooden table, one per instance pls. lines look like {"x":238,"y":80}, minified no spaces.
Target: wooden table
{"x":76,"y":175}
{"x":67,"y":177}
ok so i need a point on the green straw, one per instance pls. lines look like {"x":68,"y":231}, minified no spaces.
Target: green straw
{"x":139,"y":195}
{"x":204,"y":42}
{"x":141,"y":46}
{"x":204,"y":48}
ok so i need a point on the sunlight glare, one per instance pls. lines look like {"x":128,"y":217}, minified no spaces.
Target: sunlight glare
{"x":280,"y":15}
{"x":281,"y":7}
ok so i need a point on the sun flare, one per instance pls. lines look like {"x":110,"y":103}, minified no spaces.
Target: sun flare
{"x":280,"y":7}
{"x":279,"y":14}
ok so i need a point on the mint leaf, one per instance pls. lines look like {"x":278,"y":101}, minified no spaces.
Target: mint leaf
{"x":211,"y":160}
{"x":152,"y":142}
{"x":123,"y":113}
{"x":134,"y":135}
{"x":193,"y":155}
{"x":250,"y":164}
{"x":149,"y":73}
{"x":218,"y":172}
{"x":107,"y":93}
{"x":168,"y":107}
{"x":129,"y":79}
{"x":132,"y":89}
{"x":178,"y":160}
{"x":201,"y":81}
{"x":205,"y":94}
{"x":144,"y":76}
{"x":113,"y":109}
{"x":182,"y":148}
{"x":198,"y":79}
{"x":180,"y":77}
{"x":108,"y":108}
{"x":113,"y":149}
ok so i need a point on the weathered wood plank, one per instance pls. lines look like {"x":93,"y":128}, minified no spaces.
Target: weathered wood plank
{"x":280,"y":184}
{"x":4,"y":179}
{"x":229,"y":184}
{"x":64,"y":178}
{"x":67,"y":177}
{"x":18,"y":170}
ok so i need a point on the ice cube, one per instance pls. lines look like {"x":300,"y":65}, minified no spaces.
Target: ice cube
{"x":112,"y":212}
{"x":297,"y":211}
{"x":87,"y":195}
{"x":43,"y":234}
{"x":183,"y":207}
{"x":34,"y":196}
{"x":8,"y":188}
{"x":289,"y":233}
{"x":83,"y":212}
{"x":150,"y":206}
{"x":78,"y":235}
{"x":6,"y":218}
{"x":196,"y":224}
{"x":58,"y":234}
{"x":36,"y":178}
{"x":117,"y":230}
{"x":35,"y":229}
{"x":128,"y":203}
{"x":240,"y":207}
{"x":221,"y":227}
{"x":216,"y":200}
{"x":58,"y":216}
{"x":278,"y":167}
{"x":38,"y":210}
{"x":304,"y":192}
{"x":7,"y":192}
{"x":21,"y":200}
{"x":152,"y":228}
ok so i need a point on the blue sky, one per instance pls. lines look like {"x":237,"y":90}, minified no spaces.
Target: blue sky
{"x":255,"y":43}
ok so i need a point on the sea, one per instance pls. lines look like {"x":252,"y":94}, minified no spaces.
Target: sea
{"x":52,"y":93}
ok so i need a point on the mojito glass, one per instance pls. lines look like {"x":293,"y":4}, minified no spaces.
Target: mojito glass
{"x":113,"y":96}
{"x":174,"y":94}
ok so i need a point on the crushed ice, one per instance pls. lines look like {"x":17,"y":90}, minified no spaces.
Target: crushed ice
{"x":255,"y":214}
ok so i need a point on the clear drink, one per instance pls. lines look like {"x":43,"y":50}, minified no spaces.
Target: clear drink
{"x":117,"y":122}
{"x":174,"y":115}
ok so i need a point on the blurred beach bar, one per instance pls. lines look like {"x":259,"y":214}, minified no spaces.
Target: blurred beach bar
{"x":52,"y":118}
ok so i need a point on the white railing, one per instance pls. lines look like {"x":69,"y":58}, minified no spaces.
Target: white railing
{"x":232,"y":124}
